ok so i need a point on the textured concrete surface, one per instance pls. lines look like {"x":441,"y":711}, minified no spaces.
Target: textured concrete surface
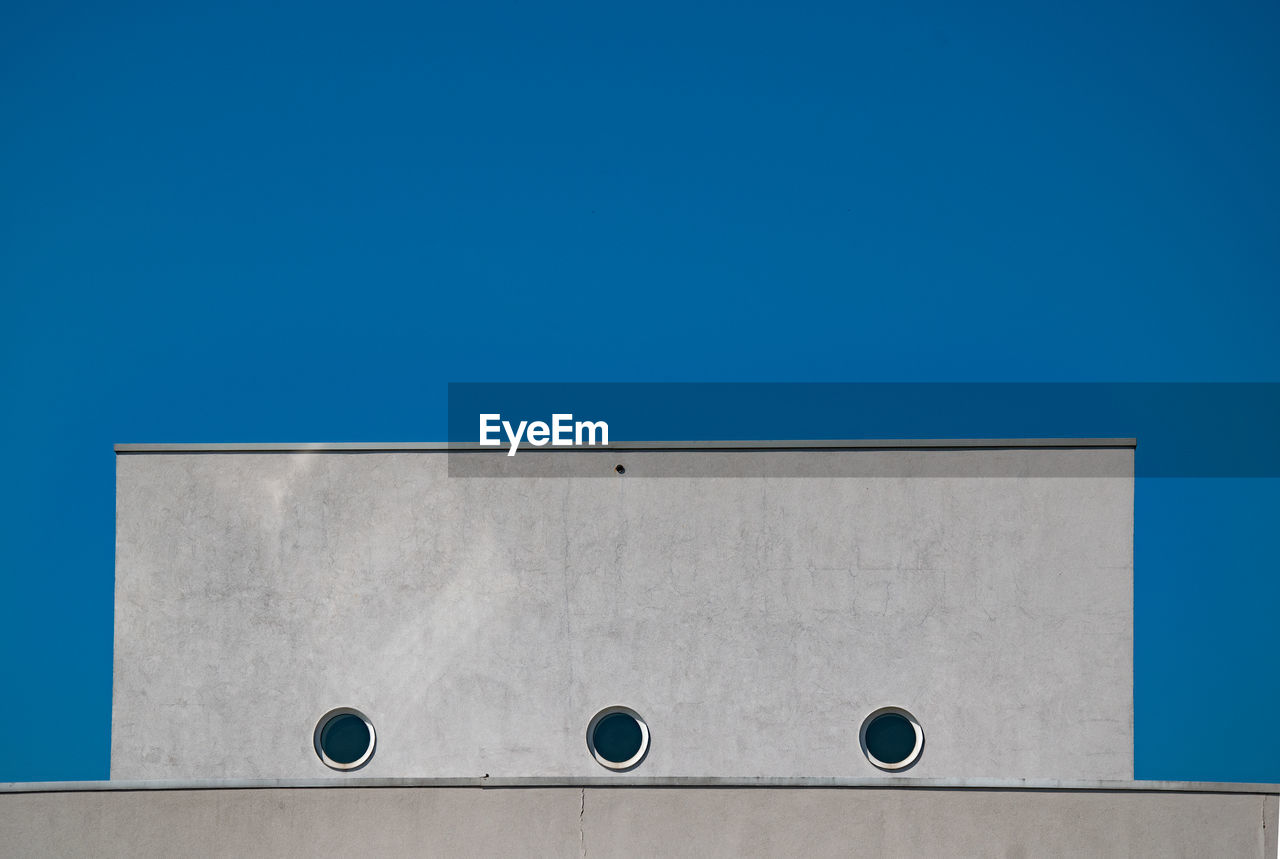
{"x":874,"y":823}
{"x":382,"y":822}
{"x":481,"y":621}
{"x":603,"y":822}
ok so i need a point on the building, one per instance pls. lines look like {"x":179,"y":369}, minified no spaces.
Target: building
{"x":781,"y":648}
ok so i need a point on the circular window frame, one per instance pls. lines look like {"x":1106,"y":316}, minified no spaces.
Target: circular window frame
{"x":911,"y":759}
{"x":330,"y":762}
{"x":632,"y":762}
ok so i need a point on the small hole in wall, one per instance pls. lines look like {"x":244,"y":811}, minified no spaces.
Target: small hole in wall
{"x":618,"y":738}
{"x":620,"y":468}
{"x":344,"y":739}
{"x":891,"y":738}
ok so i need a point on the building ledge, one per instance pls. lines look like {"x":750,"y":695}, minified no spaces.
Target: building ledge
{"x":989,"y":784}
{"x":782,"y":444}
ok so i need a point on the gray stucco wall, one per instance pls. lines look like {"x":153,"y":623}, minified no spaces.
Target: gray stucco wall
{"x":603,"y":822}
{"x":754,"y":621}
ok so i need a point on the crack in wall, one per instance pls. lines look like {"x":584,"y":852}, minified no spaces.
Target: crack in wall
{"x":582,"y":813}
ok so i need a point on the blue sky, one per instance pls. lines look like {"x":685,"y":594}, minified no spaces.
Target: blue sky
{"x":298,"y":221}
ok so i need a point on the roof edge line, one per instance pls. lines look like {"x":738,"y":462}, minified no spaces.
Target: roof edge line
{"x":743,"y":445}
{"x":901,"y":783}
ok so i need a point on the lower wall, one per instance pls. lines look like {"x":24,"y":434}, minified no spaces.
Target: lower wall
{"x":670,"y":821}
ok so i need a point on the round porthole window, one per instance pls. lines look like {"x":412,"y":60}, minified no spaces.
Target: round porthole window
{"x":345,"y":739}
{"x":891,"y":738}
{"x":618,"y":738}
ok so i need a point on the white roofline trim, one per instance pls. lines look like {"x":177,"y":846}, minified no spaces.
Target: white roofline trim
{"x":783,"y":444}
{"x":894,"y":782}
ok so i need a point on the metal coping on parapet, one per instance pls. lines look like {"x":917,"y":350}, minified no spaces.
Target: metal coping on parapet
{"x":771,"y":445}
{"x":889,"y":783}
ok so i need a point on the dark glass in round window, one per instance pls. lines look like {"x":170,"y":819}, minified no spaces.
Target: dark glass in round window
{"x":345,"y":738}
{"x":891,"y":738}
{"x":617,"y":737}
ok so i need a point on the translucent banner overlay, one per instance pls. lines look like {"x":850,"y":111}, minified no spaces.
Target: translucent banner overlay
{"x":1181,"y":429}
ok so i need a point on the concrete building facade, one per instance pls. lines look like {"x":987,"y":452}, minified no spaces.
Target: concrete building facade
{"x":763,"y":616}
{"x":481,"y":621}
